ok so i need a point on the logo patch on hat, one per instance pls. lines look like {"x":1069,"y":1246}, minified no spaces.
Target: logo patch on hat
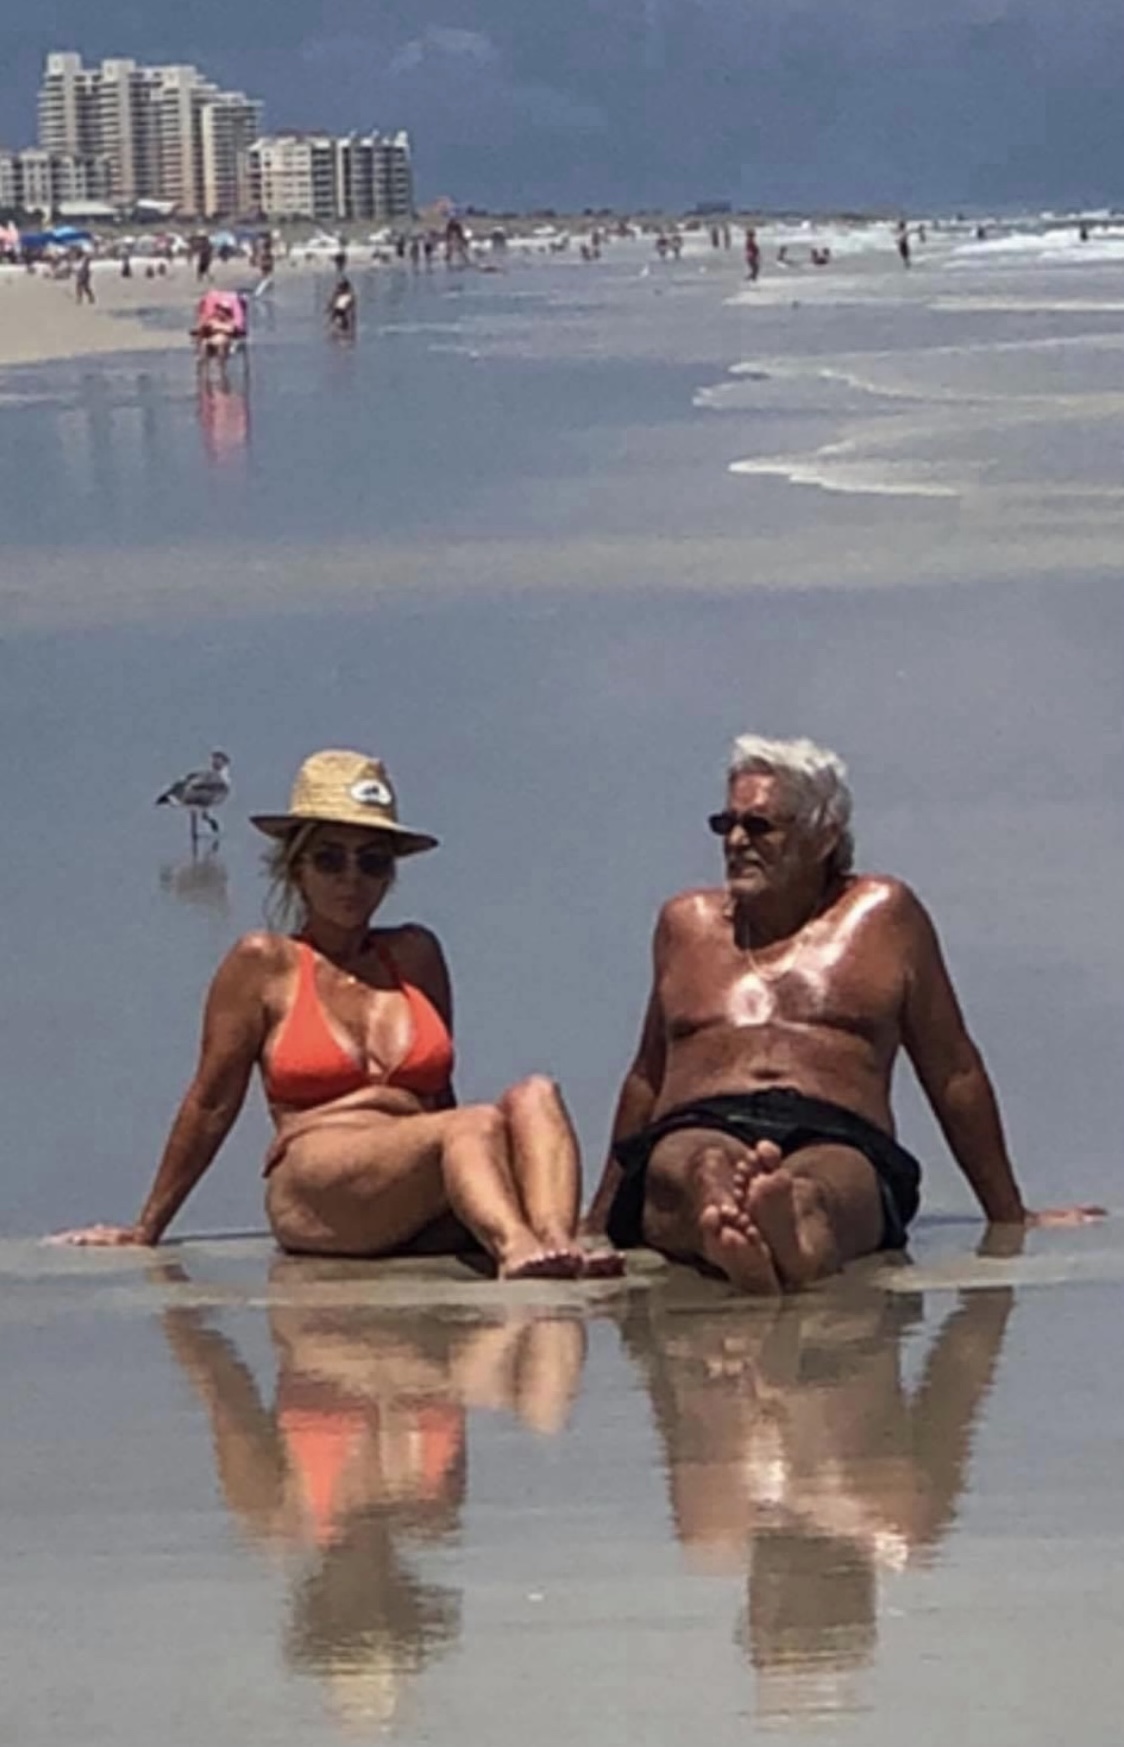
{"x":371,"y":793}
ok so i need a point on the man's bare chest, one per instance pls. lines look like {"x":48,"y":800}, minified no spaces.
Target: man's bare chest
{"x":806,"y":982}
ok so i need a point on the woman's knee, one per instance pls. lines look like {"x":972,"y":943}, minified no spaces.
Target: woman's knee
{"x":532,"y":1098}
{"x":484,"y":1125}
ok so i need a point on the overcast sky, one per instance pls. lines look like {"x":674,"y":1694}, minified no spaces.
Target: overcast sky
{"x":821,"y":103}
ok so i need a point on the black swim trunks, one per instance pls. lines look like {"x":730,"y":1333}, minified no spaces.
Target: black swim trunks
{"x":783,"y":1115}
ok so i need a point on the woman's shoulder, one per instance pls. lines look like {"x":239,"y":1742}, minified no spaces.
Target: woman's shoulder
{"x":259,"y":954}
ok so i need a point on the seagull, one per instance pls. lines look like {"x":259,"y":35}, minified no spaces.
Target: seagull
{"x":200,"y":791}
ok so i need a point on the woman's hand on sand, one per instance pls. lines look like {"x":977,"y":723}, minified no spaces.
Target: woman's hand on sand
{"x":99,"y":1237}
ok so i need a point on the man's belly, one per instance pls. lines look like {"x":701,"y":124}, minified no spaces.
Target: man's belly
{"x":821,"y":1062}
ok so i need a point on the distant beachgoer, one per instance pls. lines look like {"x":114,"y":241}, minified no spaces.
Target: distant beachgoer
{"x":662,"y":246}
{"x":220,"y":327}
{"x":429,"y":247}
{"x":126,"y":266}
{"x":903,"y":243}
{"x":752,"y":255}
{"x":456,"y":243}
{"x":83,"y":280}
{"x":415,"y":253}
{"x":350,"y":1028}
{"x":342,"y":307}
{"x":204,"y":255}
{"x":754,"y":1130}
{"x":339,"y":261}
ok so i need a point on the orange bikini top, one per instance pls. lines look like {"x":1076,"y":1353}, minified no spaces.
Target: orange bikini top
{"x":308,"y":1066}
{"x":330,"y":1444}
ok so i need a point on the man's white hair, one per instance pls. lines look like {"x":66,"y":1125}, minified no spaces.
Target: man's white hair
{"x":816,"y":778}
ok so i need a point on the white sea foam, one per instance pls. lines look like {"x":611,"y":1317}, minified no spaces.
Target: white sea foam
{"x":1061,"y":246}
{"x":836,"y":468}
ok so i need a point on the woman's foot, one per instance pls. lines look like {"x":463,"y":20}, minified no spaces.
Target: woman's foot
{"x":530,"y":1259}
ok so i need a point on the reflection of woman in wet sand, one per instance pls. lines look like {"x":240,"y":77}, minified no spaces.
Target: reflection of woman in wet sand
{"x":792,"y":1437}
{"x":363,"y":1453}
{"x":351,"y":1029}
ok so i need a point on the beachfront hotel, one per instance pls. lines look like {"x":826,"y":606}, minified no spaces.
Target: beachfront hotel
{"x":166,"y":134}
{"x":328,"y":178}
{"x":53,"y":182}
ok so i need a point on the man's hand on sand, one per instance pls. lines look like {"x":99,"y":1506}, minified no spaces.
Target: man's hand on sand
{"x":98,"y":1237}
{"x":1064,"y":1215}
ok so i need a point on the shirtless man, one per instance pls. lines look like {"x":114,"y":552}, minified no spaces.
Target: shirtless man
{"x":753,"y":1131}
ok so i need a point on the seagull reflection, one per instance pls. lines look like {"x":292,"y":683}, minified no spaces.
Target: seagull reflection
{"x":361,"y":1459}
{"x":795,"y":1447}
{"x":202,"y":882}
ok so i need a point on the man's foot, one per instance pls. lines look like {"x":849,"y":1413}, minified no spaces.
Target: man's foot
{"x":602,"y":1264}
{"x":790,"y":1215}
{"x":728,"y":1238}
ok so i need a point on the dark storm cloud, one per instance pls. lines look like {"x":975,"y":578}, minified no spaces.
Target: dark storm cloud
{"x":771,"y":102}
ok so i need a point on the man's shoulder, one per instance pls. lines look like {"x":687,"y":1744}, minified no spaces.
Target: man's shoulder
{"x":883,"y":898}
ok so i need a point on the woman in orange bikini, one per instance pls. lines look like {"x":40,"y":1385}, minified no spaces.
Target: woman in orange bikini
{"x":351,"y":1029}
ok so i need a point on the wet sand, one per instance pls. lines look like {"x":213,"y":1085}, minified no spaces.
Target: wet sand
{"x":502,"y":541}
{"x":309,"y":1501}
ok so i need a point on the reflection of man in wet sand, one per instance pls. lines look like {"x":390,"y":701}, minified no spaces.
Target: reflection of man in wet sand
{"x":792,"y":1440}
{"x":363,"y":1451}
{"x":753,"y":1132}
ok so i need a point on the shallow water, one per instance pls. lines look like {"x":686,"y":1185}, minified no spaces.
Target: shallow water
{"x":289,"y":1501}
{"x":500,"y":542}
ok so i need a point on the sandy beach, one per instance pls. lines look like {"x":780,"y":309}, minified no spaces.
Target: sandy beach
{"x":545,"y":539}
{"x":41,"y":320}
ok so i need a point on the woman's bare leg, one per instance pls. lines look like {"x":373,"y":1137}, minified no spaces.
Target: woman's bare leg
{"x":484,"y":1194}
{"x":360,"y":1188}
{"x":547,"y":1171}
{"x":369,"y":1183}
{"x":544,"y":1159}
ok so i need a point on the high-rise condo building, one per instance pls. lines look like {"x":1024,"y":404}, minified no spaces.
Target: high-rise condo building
{"x":169,"y":134}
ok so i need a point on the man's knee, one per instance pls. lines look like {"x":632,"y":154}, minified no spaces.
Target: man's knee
{"x":677,"y":1173}
{"x":840,"y":1185}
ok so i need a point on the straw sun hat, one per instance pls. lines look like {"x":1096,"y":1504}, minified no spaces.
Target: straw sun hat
{"x":344,"y":788}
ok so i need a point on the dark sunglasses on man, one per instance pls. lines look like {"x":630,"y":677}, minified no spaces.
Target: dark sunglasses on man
{"x":753,"y":824}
